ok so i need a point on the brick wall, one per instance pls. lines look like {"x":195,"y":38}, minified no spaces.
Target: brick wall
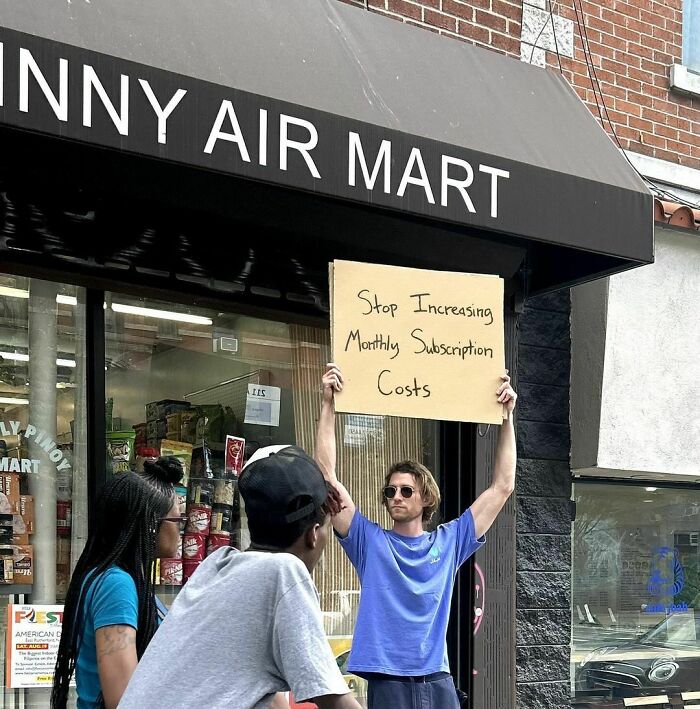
{"x":633,"y":44}
{"x":543,"y":490}
{"x":488,"y":23}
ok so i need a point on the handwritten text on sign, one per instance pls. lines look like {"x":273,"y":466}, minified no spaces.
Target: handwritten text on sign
{"x":425,"y":344}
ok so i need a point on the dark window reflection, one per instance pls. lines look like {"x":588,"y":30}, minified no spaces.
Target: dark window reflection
{"x":636,"y":592}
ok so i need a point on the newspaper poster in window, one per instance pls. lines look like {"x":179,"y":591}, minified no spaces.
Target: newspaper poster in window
{"x":33,"y":635}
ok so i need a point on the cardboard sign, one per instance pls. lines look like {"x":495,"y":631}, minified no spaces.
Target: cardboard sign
{"x":33,"y":635}
{"x":424,"y":344}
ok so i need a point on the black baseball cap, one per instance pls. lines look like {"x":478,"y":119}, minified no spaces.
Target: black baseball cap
{"x":274,"y":478}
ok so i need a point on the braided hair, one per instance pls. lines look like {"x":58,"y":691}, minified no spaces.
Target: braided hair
{"x":124,"y":535}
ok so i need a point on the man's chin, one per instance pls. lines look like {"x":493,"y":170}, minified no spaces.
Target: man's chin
{"x":400,"y":515}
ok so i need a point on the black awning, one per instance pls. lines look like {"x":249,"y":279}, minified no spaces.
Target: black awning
{"x":323,"y":97}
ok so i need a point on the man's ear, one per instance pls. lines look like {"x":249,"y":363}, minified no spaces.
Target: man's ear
{"x":311,"y":536}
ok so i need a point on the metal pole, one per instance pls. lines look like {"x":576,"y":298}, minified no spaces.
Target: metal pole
{"x":42,"y":417}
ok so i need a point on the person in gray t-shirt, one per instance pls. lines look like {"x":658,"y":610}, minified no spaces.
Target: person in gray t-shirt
{"x":248,"y":625}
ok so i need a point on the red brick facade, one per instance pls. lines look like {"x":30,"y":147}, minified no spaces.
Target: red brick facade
{"x":633,"y":45}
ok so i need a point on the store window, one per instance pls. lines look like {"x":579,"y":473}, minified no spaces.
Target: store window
{"x":635,"y":592}
{"x":43,"y":481}
{"x":212,"y":387}
{"x":691,"y":34}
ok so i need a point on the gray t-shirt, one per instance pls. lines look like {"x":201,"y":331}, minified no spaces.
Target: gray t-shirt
{"x":246,"y":625}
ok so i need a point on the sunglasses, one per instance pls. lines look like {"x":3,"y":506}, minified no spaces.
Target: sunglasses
{"x":181,"y":521}
{"x":391,"y":490}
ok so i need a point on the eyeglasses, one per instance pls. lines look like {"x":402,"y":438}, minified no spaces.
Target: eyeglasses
{"x":391,"y":490}
{"x":181,"y":521}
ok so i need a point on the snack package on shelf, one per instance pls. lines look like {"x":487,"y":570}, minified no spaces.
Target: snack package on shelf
{"x":142,"y":455}
{"x":194,"y":546}
{"x":171,"y":572}
{"x":188,"y":426}
{"x":62,"y":566}
{"x":109,"y":408}
{"x":64,"y":516}
{"x":120,"y":451}
{"x":181,"y":492}
{"x":210,"y":423}
{"x":173,"y":423}
{"x":7,"y":565}
{"x":216,"y":541}
{"x":164,"y":407}
{"x":141,"y":433}
{"x":198,"y":519}
{"x":235,"y":450}
{"x":182,"y":451}
{"x":189,"y":566}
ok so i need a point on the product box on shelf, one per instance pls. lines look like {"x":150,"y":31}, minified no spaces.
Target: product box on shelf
{"x":210,"y":423}
{"x":173,"y":423}
{"x":161,"y":409}
{"x":153,"y":443}
{"x":9,"y":487}
{"x":62,"y":565}
{"x":26,"y":510}
{"x":6,"y":528}
{"x":181,"y":451}
{"x":140,"y":429}
{"x":6,"y":564}
{"x":23,"y":559}
{"x":188,"y":426}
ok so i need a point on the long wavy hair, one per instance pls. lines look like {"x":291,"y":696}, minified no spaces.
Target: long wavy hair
{"x":124,"y":534}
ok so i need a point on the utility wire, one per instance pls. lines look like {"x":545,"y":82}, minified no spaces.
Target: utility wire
{"x":554,"y":33}
{"x":595,"y":83}
{"x":598,"y":95}
{"x":544,"y":25}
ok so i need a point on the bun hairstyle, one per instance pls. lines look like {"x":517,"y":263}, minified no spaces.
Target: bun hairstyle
{"x":168,"y":469}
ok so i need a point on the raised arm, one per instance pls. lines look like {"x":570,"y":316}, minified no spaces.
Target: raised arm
{"x":325,"y":453}
{"x":487,"y":506}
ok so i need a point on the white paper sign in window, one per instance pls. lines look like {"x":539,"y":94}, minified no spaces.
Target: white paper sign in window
{"x":263,"y":405}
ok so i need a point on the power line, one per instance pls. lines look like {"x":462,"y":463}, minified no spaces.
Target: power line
{"x":598,"y":92}
{"x":595,"y":83}
{"x":554,"y":33}
{"x":537,"y":39}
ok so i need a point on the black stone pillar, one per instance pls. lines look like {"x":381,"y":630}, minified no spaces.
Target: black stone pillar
{"x":543,"y":491}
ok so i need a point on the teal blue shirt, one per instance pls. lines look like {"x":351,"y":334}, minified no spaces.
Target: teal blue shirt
{"x":111,"y":599}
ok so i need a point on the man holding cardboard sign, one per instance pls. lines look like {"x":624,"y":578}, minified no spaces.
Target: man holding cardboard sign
{"x":407,"y":574}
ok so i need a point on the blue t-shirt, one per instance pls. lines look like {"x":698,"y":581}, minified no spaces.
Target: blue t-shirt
{"x":407,"y":587}
{"x":111,"y":599}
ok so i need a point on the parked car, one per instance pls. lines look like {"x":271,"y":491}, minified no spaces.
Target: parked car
{"x":666,"y":656}
{"x":341,"y":649}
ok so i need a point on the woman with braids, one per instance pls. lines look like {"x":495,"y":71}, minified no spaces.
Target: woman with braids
{"x":111,"y":611}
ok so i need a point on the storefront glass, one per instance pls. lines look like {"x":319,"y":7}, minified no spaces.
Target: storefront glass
{"x":635,"y":592}
{"x":198,"y":383}
{"x":43,"y":500}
